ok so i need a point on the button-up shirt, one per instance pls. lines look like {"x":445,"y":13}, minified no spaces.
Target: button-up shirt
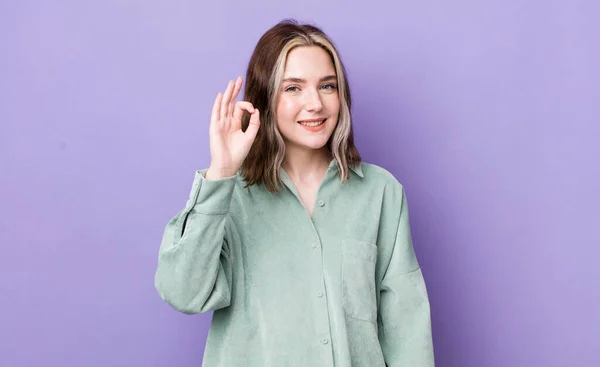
{"x":341,"y":287}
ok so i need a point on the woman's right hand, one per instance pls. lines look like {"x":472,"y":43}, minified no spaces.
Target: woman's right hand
{"x":229,"y":145}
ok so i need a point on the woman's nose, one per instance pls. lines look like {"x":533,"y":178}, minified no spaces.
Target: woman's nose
{"x":313,"y":101}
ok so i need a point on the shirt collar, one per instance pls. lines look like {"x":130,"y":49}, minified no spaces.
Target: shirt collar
{"x":356,"y":169}
{"x":333,"y":164}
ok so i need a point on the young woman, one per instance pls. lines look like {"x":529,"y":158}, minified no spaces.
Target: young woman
{"x":303,"y":252}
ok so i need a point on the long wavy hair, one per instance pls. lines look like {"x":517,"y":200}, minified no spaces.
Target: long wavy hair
{"x":263,"y":87}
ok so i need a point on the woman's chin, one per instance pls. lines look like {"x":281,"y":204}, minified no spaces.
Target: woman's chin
{"x":309,"y":144}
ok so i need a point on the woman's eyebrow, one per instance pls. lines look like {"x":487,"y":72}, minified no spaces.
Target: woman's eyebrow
{"x":300,"y":80}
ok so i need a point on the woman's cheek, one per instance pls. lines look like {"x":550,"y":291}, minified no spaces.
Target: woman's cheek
{"x":287,"y":106}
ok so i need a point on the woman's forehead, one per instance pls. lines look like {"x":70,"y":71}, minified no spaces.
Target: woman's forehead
{"x":308,"y":63}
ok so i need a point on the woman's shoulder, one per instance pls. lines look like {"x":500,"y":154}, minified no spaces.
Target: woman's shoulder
{"x":376,"y":174}
{"x":382,"y":181}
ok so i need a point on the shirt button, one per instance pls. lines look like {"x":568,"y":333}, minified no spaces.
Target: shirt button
{"x":321,"y":203}
{"x":314,"y":245}
{"x":325,"y":341}
{"x":319,"y":294}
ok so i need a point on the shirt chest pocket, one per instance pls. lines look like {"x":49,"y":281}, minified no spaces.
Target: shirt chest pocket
{"x":358,"y":279}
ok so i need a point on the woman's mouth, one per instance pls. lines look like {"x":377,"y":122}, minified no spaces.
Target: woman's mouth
{"x":312,"y":123}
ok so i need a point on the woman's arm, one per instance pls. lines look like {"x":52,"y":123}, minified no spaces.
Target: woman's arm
{"x":194,"y":273}
{"x":404,"y":312}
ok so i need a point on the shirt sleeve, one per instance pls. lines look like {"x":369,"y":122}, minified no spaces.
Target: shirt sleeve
{"x":404,"y":312}
{"x":194,"y":273}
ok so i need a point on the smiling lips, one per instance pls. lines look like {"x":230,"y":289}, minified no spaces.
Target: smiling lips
{"x":313,"y":124}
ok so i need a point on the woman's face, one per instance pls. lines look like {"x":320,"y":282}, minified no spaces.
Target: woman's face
{"x":309,"y":104}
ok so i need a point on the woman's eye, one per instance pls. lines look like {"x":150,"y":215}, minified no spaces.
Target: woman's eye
{"x":291,"y":88}
{"x":329,"y":86}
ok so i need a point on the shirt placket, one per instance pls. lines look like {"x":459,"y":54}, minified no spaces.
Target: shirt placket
{"x":323,"y":336}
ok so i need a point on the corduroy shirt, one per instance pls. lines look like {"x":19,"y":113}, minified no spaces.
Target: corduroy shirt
{"x":341,"y":287}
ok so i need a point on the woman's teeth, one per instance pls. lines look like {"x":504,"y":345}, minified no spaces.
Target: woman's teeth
{"x":312,"y":124}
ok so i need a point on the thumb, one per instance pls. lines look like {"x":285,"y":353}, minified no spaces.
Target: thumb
{"x":253,"y":125}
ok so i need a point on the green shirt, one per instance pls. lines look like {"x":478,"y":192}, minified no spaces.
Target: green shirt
{"x":342,"y":288}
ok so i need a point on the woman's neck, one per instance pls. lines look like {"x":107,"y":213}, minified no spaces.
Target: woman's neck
{"x":306,"y":165}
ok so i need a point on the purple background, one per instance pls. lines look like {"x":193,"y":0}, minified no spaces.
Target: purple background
{"x":487,"y":112}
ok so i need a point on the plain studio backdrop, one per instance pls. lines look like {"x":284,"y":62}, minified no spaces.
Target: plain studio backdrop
{"x":486,"y":111}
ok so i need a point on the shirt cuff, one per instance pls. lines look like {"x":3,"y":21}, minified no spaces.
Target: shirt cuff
{"x":211,"y":196}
